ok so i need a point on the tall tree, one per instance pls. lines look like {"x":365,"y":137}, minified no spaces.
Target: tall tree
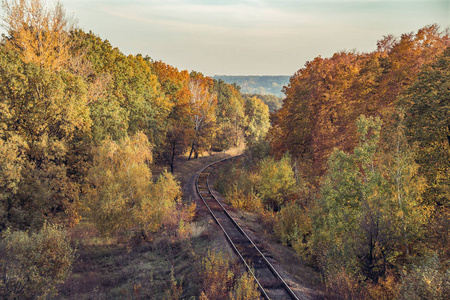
{"x":40,"y":33}
{"x":178,"y":126}
{"x":324,"y":99}
{"x":46,"y":111}
{"x":230,"y":115}
{"x":366,"y":217}
{"x":428,"y":120}
{"x":203,"y":105}
{"x":428,"y":125}
{"x":258,"y":122}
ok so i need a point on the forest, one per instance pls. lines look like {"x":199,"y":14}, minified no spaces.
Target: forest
{"x":351,"y":172}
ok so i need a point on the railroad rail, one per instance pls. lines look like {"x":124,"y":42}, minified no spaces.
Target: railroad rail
{"x":269,"y":281}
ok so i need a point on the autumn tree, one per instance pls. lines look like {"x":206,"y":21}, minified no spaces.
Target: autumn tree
{"x":203,"y":105}
{"x":402,"y":59}
{"x":258,"y":122}
{"x":230,"y":115}
{"x":45,"y":113}
{"x":38,"y":32}
{"x":122,"y":195}
{"x":365,"y":217}
{"x":179,"y":128}
{"x":324,"y":99}
{"x":428,"y":125}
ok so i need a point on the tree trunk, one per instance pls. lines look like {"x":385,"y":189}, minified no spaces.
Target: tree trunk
{"x":192,"y":150}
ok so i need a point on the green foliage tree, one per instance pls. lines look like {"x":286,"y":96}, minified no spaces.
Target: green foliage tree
{"x":292,"y":225}
{"x":32,"y":265}
{"x":230,"y":115}
{"x":124,"y":95}
{"x":363,"y":222}
{"x":406,"y":182}
{"x":258,"y":122}
{"x":428,"y":123}
{"x":46,"y":111}
{"x":11,"y":164}
{"x":273,"y":102}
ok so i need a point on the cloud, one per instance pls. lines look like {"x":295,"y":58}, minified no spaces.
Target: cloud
{"x":251,"y":36}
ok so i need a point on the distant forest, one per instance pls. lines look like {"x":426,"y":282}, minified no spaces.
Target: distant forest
{"x":263,"y":85}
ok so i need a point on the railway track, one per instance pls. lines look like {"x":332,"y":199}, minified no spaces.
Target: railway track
{"x":269,"y":281}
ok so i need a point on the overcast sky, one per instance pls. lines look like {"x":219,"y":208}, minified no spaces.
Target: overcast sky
{"x":251,"y":37}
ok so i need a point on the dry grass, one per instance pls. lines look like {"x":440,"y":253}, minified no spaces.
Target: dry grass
{"x":113,"y":268}
{"x":106,"y":269}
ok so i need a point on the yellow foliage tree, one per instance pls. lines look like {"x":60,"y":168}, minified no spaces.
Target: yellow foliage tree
{"x":203,"y":104}
{"x":122,"y":195}
{"x":38,"y":32}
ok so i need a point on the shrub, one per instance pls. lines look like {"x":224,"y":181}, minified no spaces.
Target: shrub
{"x":223,"y":279}
{"x":218,"y":275}
{"x":292,"y":224}
{"x":245,"y":288}
{"x":425,"y":281}
{"x":276,"y":181}
{"x":33,"y":264}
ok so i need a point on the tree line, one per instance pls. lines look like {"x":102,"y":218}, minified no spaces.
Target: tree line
{"x":81,"y":125}
{"x":365,"y":197}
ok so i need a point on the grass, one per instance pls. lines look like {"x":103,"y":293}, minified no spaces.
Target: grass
{"x":114,"y":268}
{"x":106,"y":269}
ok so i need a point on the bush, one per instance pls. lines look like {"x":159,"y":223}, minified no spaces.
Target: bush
{"x":292,"y":224}
{"x":218,"y":275}
{"x":277,"y":182}
{"x":238,"y":186}
{"x":223,"y":279}
{"x":33,"y":264}
{"x":245,"y":288}
{"x":426,"y":281}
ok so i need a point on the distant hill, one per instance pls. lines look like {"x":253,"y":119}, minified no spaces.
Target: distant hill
{"x":264,"y":85}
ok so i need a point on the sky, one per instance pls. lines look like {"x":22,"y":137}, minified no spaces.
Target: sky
{"x":251,"y":37}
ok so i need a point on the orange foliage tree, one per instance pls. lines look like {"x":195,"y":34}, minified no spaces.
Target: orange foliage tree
{"x":38,"y":32}
{"x":178,"y":126}
{"x":324,"y":98}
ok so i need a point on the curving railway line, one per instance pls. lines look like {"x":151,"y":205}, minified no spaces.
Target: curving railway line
{"x":269,"y":281}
